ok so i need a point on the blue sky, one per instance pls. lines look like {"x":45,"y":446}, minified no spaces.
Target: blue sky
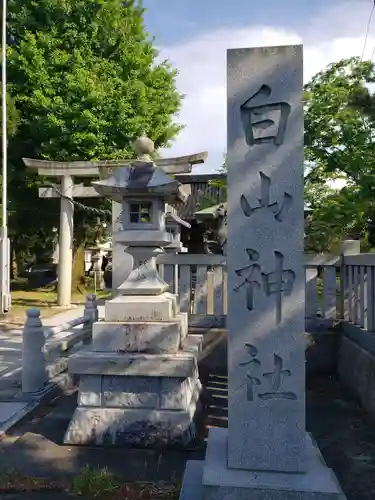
{"x":194,"y":36}
{"x":172,"y":21}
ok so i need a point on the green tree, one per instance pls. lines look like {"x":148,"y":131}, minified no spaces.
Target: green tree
{"x":12,"y":125}
{"x":84,"y":76}
{"x":208,"y":201}
{"x":339,"y":144}
{"x":12,"y":117}
{"x":222,"y":183}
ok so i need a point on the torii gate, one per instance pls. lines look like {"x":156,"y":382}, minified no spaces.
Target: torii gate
{"x":66,"y":172}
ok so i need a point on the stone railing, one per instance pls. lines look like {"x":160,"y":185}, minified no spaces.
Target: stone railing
{"x":358,"y":280}
{"x":45,"y":351}
{"x":322,"y":292}
{"x":356,"y":353}
{"x":201,"y":282}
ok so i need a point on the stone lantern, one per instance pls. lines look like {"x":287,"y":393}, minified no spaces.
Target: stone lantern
{"x":173,"y":227}
{"x":96,"y":270}
{"x":139,"y":383}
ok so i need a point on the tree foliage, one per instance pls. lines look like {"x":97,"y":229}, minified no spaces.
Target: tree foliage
{"x":339,"y":143}
{"x":12,"y":117}
{"x":84,"y":77}
{"x":207,"y":200}
{"x":221,"y":183}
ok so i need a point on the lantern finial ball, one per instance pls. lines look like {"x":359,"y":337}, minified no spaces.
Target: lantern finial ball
{"x":144,"y":146}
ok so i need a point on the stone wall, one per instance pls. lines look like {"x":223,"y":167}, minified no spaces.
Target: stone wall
{"x":356,"y":365}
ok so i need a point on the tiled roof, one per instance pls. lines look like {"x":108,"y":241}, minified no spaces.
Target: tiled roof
{"x":200,"y":190}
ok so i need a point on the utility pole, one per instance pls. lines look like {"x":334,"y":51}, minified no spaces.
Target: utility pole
{"x":5,"y":299}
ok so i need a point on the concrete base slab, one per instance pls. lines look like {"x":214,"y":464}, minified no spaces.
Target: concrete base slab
{"x":9,"y":409}
{"x":192,"y":486}
{"x":214,"y":481}
{"x":12,"y":412}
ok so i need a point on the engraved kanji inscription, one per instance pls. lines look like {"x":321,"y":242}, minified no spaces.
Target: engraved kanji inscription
{"x":254,"y":365}
{"x":273,"y":380}
{"x":277,"y":282}
{"x":278,"y":209}
{"x":276,"y":379}
{"x":252,"y":277}
{"x":264,"y":121}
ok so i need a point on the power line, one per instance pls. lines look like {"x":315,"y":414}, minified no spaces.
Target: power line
{"x":368,"y":30}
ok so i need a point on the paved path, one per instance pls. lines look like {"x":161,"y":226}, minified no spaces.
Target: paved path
{"x":11,"y":352}
{"x":11,"y":404}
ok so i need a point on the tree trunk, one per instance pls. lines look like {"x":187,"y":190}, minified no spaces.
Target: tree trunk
{"x":78,"y":269}
{"x":14,"y":266}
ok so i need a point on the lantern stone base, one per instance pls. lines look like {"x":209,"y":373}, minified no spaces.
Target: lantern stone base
{"x":137,"y":399}
{"x":135,"y":416}
{"x":212,"y":480}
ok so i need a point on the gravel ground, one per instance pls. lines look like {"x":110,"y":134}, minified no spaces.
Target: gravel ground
{"x":344,"y":431}
{"x":346,"y":436}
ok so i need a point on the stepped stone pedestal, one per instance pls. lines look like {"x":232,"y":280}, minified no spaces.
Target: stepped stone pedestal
{"x":139,"y":384}
{"x":214,"y":480}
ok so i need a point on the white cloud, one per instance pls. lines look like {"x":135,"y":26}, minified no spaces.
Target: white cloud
{"x":337,"y":33}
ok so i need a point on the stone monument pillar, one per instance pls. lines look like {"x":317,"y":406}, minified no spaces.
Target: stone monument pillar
{"x":265,"y":454}
{"x":139,"y":383}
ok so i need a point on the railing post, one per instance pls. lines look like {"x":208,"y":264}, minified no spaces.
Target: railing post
{"x":311,"y":294}
{"x":33,"y":357}
{"x":347,"y":247}
{"x":91,"y":309}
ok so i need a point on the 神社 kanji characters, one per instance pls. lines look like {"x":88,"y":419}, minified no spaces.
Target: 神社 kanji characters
{"x":273,"y":380}
{"x":276,"y":282}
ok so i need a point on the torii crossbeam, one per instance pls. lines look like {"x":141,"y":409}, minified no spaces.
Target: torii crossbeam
{"x":66,"y":172}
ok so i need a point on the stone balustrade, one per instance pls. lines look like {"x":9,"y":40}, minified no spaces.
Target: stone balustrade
{"x":44,"y":351}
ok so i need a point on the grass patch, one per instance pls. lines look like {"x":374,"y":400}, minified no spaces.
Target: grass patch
{"x":94,"y":483}
{"x":90,"y":483}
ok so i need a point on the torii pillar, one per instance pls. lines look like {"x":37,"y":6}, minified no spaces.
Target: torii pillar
{"x":66,"y":171}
